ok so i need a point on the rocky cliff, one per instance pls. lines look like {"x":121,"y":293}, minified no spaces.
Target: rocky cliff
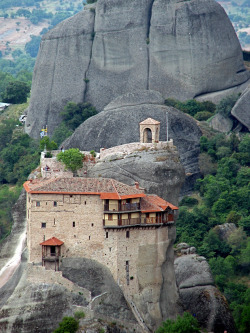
{"x":182,"y":49}
{"x":119,"y":124}
{"x":198,"y":293}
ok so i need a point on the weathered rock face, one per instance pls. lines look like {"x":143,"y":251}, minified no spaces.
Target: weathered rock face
{"x":241,"y":110}
{"x":199,"y":296}
{"x":114,"y":47}
{"x":221,"y":123}
{"x":119,"y":124}
{"x":158,"y":171}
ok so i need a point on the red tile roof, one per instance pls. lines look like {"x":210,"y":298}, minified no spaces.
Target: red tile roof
{"x":52,"y":242}
{"x":153,"y":203}
{"x":105,"y":187}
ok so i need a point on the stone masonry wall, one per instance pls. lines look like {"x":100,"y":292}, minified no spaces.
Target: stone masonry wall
{"x":134,"y":256}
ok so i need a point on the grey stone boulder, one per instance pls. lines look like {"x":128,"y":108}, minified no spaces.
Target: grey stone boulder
{"x":241,"y":109}
{"x":116,"y":47}
{"x":59,"y":73}
{"x":121,"y":125}
{"x":188,"y":57}
{"x":225,"y":230}
{"x":157,"y":171}
{"x":221,"y":123}
{"x":192,"y":271}
{"x":136,"y":98}
{"x":209,"y":306}
{"x":199,"y":296}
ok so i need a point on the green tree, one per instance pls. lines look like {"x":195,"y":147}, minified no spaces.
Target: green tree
{"x":75,"y":114}
{"x":226,"y":104}
{"x":45,"y":142}
{"x":32,"y":47}
{"x":72,"y":159}
{"x":185,"y":324}
{"x":67,"y":325}
{"x":61,"y":133}
{"x":16,"y":92}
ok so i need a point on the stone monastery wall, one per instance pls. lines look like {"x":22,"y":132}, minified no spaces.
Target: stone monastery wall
{"x":133,"y":255}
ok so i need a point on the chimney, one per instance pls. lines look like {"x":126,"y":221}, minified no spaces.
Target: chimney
{"x":137,"y":185}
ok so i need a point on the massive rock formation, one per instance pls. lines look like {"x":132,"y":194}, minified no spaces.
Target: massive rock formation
{"x":180,"y":48}
{"x":119,"y":124}
{"x":157,"y":171}
{"x":241,"y":110}
{"x":199,"y":295}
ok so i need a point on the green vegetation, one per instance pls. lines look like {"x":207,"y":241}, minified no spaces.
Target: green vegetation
{"x":15,"y":89}
{"x":19,"y":155}
{"x":239,"y":13}
{"x":185,"y":324}
{"x":16,"y":92}
{"x":8,"y":197}
{"x":67,"y":325}
{"x":75,"y":114}
{"x":198,"y":110}
{"x":46,"y":143}
{"x":79,"y":315}
{"x":222,"y":197}
{"x":72,"y":159}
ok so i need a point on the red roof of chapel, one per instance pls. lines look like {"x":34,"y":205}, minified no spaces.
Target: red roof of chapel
{"x":52,"y":242}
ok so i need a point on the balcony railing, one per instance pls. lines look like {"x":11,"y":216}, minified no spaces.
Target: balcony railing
{"x":138,"y":221}
{"x":123,"y":207}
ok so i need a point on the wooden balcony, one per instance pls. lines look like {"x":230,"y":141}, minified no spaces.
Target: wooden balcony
{"x":126,"y":207}
{"x":139,"y":221}
{"x":51,"y":257}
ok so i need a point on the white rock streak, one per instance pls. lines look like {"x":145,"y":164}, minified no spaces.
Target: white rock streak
{"x":9,"y":268}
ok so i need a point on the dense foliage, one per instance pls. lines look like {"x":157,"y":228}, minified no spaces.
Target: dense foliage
{"x":185,"y":324}
{"x":198,"y":110}
{"x":223,"y":197}
{"x":19,"y":155}
{"x":16,"y":92}
{"x":67,"y":325}
{"x":71,"y":158}
{"x":73,"y":115}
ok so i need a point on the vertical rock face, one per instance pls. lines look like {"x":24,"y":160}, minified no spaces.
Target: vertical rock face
{"x":199,"y":296}
{"x":179,"y":48}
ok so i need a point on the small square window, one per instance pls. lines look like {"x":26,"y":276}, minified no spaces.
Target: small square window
{"x":43,"y":225}
{"x":55,"y":203}
{"x":37,"y":203}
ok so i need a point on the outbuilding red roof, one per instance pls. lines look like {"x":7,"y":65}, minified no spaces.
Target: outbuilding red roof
{"x":153,"y":203}
{"x":52,"y":242}
{"x":105,"y":187}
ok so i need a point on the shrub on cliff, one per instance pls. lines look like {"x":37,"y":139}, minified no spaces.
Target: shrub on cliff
{"x":185,"y":324}
{"x":68,"y":324}
{"x":75,"y":114}
{"x":72,"y":159}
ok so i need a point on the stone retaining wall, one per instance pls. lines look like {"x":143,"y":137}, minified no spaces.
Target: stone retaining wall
{"x":129,"y":148}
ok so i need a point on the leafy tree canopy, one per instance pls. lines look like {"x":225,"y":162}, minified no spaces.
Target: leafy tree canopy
{"x":67,"y":325}
{"x":75,"y":114}
{"x":16,"y":92}
{"x":185,"y":324}
{"x":72,"y":158}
